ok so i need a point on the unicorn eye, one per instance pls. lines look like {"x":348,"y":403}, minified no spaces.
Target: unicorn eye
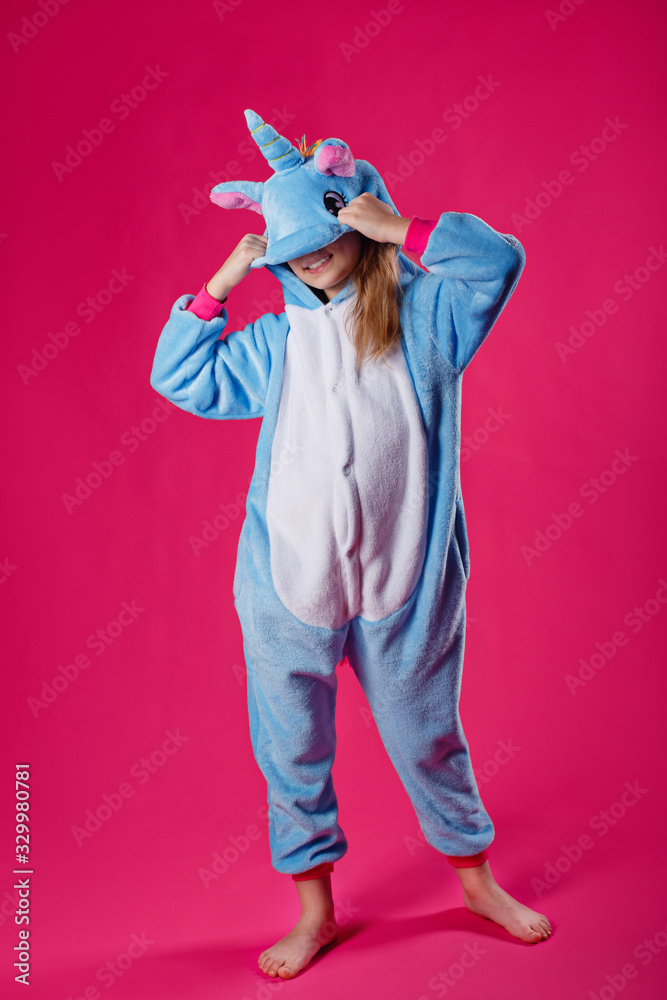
{"x":333,"y":202}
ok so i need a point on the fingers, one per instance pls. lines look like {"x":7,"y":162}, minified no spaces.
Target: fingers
{"x":249,"y":248}
{"x":252,"y":241}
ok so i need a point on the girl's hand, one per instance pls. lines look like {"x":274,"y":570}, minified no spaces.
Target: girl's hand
{"x":374,"y":219}
{"x":237,"y":265}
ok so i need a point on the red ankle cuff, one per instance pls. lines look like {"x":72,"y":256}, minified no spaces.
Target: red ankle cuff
{"x":318,"y":872}
{"x":469,"y":861}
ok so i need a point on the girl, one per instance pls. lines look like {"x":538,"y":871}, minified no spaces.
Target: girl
{"x":354,"y":544}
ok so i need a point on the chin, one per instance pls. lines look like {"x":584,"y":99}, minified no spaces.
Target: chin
{"x":322,"y":287}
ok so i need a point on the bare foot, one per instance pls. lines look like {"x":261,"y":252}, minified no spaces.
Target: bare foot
{"x":292,"y":953}
{"x":315,"y":927}
{"x":483,"y":896}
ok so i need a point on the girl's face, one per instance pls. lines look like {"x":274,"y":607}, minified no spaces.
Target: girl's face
{"x":335,"y":264}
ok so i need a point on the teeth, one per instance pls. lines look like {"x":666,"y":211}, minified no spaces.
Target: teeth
{"x":317,"y":263}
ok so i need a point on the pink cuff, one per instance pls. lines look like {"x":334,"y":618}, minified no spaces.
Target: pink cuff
{"x":318,"y":872}
{"x":469,"y":861}
{"x":418,"y":233}
{"x":205,"y":306}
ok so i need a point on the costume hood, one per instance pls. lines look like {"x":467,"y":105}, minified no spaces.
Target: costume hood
{"x":301,"y":200}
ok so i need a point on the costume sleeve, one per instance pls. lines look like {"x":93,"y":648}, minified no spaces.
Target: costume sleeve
{"x":418,"y":233}
{"x":479,"y":269}
{"x":211,"y":377}
{"x":204,"y":305}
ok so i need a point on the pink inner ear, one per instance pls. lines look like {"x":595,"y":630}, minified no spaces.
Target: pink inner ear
{"x":235,"y":199}
{"x":335,"y":160}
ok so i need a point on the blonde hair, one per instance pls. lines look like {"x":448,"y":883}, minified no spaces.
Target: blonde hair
{"x":376,"y":313}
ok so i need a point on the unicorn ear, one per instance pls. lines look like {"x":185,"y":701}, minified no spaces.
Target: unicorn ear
{"x":333,"y":156}
{"x":239,"y":194}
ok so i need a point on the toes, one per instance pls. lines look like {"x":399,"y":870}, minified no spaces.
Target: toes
{"x":286,"y":972}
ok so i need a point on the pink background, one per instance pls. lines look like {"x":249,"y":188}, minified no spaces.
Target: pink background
{"x":177,"y":664}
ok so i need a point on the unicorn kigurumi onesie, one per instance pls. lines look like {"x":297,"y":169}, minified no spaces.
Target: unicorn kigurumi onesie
{"x":354,"y":546}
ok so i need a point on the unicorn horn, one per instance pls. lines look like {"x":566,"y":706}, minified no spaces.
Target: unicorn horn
{"x":280,"y":152}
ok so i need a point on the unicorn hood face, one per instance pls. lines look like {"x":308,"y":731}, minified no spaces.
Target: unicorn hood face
{"x":301,"y":200}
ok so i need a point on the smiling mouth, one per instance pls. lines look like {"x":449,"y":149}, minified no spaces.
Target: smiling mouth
{"x":319,"y":265}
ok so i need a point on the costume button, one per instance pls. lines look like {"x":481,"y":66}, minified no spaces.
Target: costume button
{"x":346,"y":470}
{"x":334,"y":388}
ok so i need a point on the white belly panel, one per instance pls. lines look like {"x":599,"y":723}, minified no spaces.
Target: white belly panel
{"x":347,"y":496}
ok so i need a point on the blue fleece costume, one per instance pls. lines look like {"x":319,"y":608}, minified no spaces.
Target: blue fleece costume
{"x":354,"y":542}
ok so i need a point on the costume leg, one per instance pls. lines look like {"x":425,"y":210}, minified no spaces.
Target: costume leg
{"x":291,"y":675}
{"x":409,"y":666}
